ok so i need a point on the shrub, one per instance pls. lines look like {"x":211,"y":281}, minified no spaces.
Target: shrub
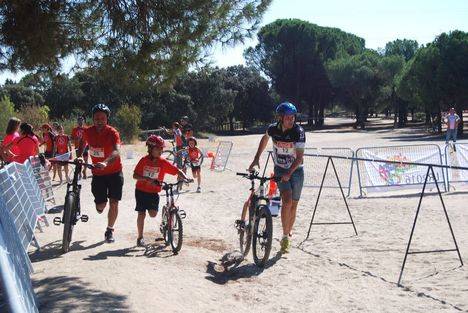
{"x":35,"y":115}
{"x":127,"y":121}
{"x":7,"y":109}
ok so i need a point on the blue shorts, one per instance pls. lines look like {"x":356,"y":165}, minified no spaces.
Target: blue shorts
{"x":294,"y":184}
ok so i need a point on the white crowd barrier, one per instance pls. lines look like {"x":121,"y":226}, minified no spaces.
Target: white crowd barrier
{"x":313,"y":168}
{"x":21,"y":203}
{"x":222,"y":156}
{"x":43,"y":179}
{"x":381,"y":177}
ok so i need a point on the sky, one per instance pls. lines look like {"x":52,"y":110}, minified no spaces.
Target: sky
{"x":377,"y":21}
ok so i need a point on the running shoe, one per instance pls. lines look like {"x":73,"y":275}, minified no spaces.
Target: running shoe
{"x":285,"y":245}
{"x":198,"y":189}
{"x":140,"y":242}
{"x":109,"y":236}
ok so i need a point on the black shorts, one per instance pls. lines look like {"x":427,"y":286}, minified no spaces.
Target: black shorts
{"x":49,"y":154}
{"x":107,"y":187}
{"x":146,"y":201}
{"x":196,"y":168}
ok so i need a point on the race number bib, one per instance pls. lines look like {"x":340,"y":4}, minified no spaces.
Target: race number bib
{"x":96,"y":152}
{"x":285,"y":153}
{"x":151,"y":172}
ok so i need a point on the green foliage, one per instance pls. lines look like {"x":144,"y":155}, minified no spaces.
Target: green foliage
{"x":21,"y":95}
{"x":34,"y":115}
{"x":127,"y":120}
{"x":405,"y":48}
{"x":153,"y":39}
{"x":293,"y":54}
{"x":7,"y":110}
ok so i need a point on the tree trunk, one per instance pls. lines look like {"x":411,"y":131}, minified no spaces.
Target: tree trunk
{"x":231,"y":123}
{"x":321,"y":117}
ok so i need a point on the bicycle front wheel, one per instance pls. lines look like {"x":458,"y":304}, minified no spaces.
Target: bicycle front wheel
{"x":175,"y":231}
{"x":262,"y":236}
{"x":69,"y":211}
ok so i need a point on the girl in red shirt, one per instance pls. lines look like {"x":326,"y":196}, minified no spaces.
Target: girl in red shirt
{"x":62,"y":147}
{"x":151,"y":168}
{"x":11,"y":135}
{"x":195,"y":156}
{"x":27,"y":144}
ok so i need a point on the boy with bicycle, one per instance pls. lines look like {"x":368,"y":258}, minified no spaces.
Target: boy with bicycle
{"x":195,"y":156}
{"x":150,"y":170}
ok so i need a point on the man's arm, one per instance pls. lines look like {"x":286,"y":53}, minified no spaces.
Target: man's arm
{"x":261,"y":148}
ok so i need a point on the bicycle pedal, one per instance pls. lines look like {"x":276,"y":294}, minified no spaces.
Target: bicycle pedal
{"x":57,"y":221}
{"x":84,"y":218}
{"x":182,"y":214}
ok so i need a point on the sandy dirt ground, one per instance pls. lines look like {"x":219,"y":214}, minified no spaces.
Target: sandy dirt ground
{"x":334,"y":271}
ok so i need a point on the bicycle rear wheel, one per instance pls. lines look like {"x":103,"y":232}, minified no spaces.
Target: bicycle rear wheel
{"x":262,"y":236}
{"x":168,"y":155}
{"x":69,"y":211}
{"x":175,"y":231}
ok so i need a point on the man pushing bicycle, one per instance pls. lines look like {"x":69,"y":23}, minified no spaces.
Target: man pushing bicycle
{"x":288,"y":150}
{"x":107,"y":183}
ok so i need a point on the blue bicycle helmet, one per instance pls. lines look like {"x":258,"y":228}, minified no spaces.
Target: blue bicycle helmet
{"x":100,"y":107}
{"x":286,"y":108}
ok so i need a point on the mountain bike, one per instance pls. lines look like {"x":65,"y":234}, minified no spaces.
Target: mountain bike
{"x":170,"y":154}
{"x":171,"y":218}
{"x":71,"y":208}
{"x":258,"y":232}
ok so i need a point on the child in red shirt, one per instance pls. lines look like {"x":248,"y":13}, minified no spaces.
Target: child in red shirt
{"x":195,"y":156}
{"x":149,"y":170}
{"x":62,"y":147}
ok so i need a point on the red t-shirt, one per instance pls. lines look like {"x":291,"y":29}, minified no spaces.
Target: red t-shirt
{"x":77,"y":134}
{"x":61,"y":141}
{"x":153,"y":168}
{"x":13,"y":148}
{"x":101,"y":144}
{"x":194,"y":155}
{"x":28,"y":146}
{"x":49,"y":140}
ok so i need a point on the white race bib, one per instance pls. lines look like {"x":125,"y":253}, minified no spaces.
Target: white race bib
{"x":151,"y":172}
{"x":96,"y":152}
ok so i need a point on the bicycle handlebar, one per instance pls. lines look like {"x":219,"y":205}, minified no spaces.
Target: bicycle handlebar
{"x":170,"y":185}
{"x":74,"y":162}
{"x":254,"y":175}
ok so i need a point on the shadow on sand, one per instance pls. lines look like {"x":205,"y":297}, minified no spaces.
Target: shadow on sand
{"x":220,"y":274}
{"x":68,"y":294}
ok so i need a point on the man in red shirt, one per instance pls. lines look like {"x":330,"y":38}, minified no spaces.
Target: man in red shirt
{"x":151,"y":168}
{"x":104,"y":143}
{"x":77,"y":135}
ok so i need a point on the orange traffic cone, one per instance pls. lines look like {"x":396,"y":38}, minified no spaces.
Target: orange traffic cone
{"x":273,"y":188}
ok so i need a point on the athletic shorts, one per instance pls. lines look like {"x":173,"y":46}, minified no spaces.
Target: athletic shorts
{"x":146,"y":201}
{"x":294,"y":184}
{"x":196,"y":168}
{"x":107,"y":187}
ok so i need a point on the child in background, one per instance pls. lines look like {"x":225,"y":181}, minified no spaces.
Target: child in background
{"x":62,"y":146}
{"x":195,"y":156}
{"x":151,"y":169}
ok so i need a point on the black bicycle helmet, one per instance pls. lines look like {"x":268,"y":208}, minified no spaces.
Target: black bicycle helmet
{"x":101,"y":107}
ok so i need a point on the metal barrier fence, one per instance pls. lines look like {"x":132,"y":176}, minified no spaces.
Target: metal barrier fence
{"x":456,"y":155}
{"x":222,"y":156}
{"x":373,"y":176}
{"x":344,"y":167}
{"x":23,"y":200}
{"x":15,"y":266}
{"x":43,"y":179}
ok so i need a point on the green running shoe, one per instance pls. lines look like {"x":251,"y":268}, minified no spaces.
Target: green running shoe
{"x":285,"y":245}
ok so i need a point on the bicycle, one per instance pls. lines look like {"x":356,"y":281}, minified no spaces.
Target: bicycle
{"x":170,"y":154}
{"x":260,"y":237}
{"x":71,"y":208}
{"x":171,"y":219}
